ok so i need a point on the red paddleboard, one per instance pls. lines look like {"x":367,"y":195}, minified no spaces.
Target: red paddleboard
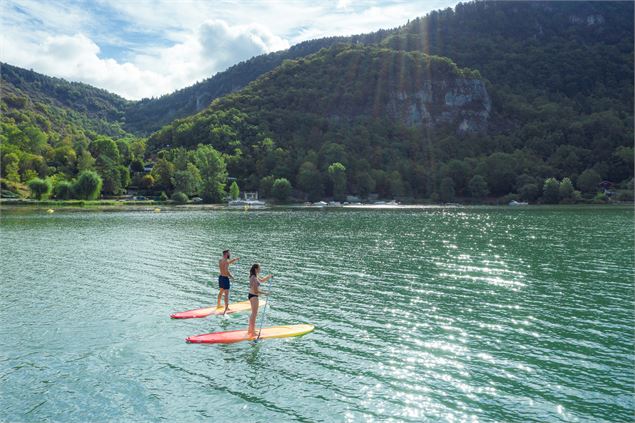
{"x":241,"y":335}
{"x":216,"y":311}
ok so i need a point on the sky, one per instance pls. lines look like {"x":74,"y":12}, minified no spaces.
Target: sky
{"x":143,"y":49}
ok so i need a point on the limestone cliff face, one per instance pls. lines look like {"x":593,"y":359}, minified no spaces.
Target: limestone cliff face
{"x":460,"y":102}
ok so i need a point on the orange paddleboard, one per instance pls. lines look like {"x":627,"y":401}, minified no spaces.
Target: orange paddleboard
{"x":216,"y":311}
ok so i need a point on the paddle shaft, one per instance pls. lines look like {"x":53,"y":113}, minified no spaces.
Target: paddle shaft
{"x":264,"y":312}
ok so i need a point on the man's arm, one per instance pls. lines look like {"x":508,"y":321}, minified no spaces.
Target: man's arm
{"x":232,"y":261}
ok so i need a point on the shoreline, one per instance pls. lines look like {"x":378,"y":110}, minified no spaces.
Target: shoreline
{"x":152,"y":206}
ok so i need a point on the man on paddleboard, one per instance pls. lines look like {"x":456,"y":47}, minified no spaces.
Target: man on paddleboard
{"x":223,"y":279}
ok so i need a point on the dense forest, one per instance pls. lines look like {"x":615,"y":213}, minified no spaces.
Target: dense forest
{"x":487,"y":100}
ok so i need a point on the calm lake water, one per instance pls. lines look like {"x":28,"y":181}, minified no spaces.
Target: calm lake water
{"x":466,"y":314}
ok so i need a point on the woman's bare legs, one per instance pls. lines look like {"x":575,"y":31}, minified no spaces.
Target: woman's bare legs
{"x":251,"y":331}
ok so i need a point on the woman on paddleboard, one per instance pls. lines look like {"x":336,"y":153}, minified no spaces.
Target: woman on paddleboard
{"x":254,"y":290}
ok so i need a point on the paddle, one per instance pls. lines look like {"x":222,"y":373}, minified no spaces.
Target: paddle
{"x":264,"y":312}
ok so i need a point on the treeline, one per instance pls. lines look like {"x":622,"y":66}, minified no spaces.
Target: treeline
{"x":58,"y":151}
{"x":296,"y":124}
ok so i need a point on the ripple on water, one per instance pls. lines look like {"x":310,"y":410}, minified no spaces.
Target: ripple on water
{"x":421,"y":315}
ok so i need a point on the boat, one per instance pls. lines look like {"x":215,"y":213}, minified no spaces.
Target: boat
{"x":320,"y":204}
{"x":246,"y":203}
{"x":249,"y":201}
{"x":514,"y":203}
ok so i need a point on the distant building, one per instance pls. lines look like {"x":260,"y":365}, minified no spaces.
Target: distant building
{"x":251,"y":196}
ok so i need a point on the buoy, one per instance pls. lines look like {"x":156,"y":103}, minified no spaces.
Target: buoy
{"x":157,"y":210}
{"x":50,"y":211}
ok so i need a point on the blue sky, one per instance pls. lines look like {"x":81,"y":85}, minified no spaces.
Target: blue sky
{"x":142,"y":48}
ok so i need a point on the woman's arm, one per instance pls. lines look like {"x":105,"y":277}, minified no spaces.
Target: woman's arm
{"x":265,"y":279}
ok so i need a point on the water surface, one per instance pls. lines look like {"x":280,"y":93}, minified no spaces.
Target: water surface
{"x":467,"y":314}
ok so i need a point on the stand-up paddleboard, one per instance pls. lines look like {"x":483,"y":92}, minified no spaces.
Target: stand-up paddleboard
{"x":217,"y":311}
{"x":241,"y":335}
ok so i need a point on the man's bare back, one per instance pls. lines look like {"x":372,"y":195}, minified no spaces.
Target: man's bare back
{"x":223,"y":279}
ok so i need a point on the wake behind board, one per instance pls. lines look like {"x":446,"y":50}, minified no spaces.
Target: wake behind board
{"x":241,"y":335}
{"x":217,"y":311}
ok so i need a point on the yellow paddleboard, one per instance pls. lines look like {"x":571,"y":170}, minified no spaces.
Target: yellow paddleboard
{"x":241,"y":335}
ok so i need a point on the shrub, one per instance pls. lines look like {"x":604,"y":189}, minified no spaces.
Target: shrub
{"x":87,"y":186}
{"x":281,"y":189}
{"x":477,"y":187}
{"x":63,"y":190}
{"x":566,"y":190}
{"x":234,"y":191}
{"x":39,"y":187}
{"x":600,"y":198}
{"x":163,"y":196}
{"x":147,"y":181}
{"x":551,"y":191}
{"x":588,"y":181}
{"x":529,"y":192}
{"x":179,"y":197}
{"x":266,"y":185}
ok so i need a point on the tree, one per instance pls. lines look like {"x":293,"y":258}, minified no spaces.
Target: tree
{"x":500,"y":173}
{"x":234,"y":191}
{"x":458,"y":170}
{"x":365,"y":183}
{"x":162,"y":172}
{"x":39,"y":187}
{"x":588,"y":181}
{"x":147,"y":181}
{"x":87,"y":186}
{"x":213,"y":172}
{"x":395,"y":184}
{"x":85,"y":161}
{"x":281,"y":189}
{"x":266,"y":185}
{"x":446,"y":191}
{"x":124,"y":151}
{"x":111,"y":179}
{"x":104,"y":147}
{"x":187,"y":181}
{"x":63,"y":190}
{"x":310,"y":181}
{"x":136,"y":165}
{"x":566,"y":190}
{"x":10,"y":167}
{"x":65,"y":158}
{"x":124,"y":176}
{"x":337,"y":175}
{"x":529,"y":192}
{"x":551,"y":191}
{"x":477,"y":187}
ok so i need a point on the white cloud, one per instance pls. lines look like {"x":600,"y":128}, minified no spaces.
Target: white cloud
{"x":213,"y":47}
{"x":146,"y":48}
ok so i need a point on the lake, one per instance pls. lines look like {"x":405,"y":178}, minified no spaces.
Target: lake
{"x":427,"y":314}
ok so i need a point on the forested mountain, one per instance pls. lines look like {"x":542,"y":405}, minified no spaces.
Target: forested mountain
{"x":559,"y":76}
{"x":375,"y":111}
{"x":61,"y":102}
{"x":487,"y":98}
{"x":149,"y":115}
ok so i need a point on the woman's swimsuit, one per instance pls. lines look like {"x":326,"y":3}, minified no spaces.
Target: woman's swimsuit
{"x":250,"y":296}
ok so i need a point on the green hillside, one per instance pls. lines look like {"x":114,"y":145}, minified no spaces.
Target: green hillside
{"x":149,"y":115}
{"x":486,"y":99}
